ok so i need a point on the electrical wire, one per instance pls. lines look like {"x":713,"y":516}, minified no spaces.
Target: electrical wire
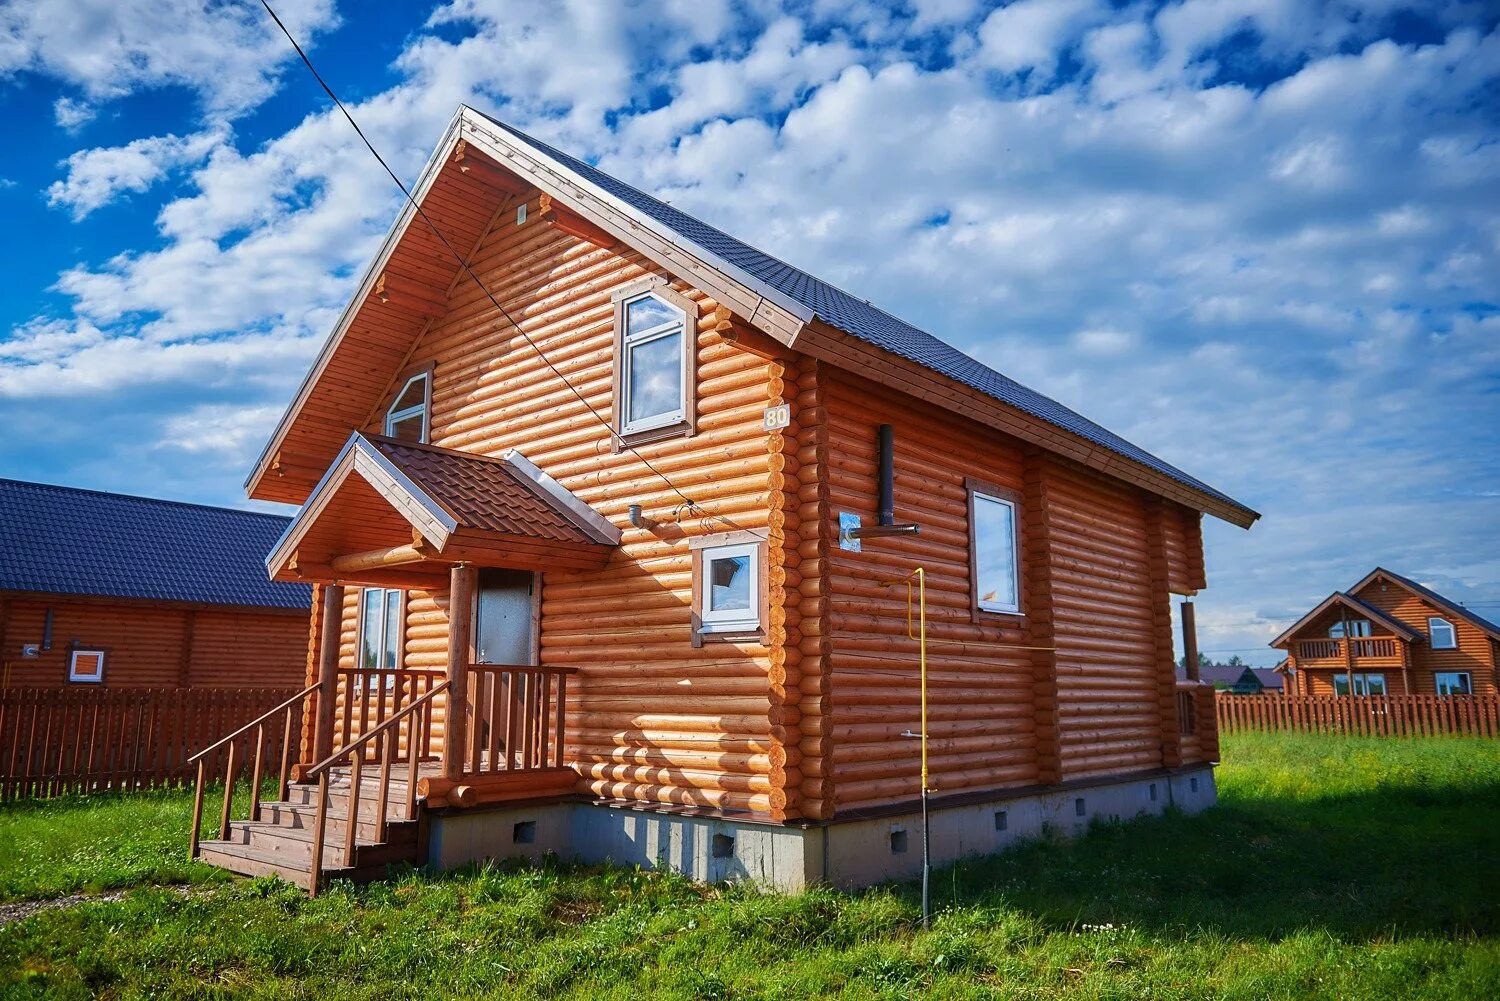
{"x":463,"y":263}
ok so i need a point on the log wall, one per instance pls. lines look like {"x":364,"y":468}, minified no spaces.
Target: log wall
{"x":154,"y":645}
{"x":1475,"y":652}
{"x":1080,"y":685}
{"x":652,"y":717}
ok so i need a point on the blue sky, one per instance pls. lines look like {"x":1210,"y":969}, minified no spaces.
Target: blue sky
{"x":1258,"y":237}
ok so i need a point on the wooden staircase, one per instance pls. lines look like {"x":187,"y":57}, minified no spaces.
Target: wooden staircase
{"x":278,"y":839}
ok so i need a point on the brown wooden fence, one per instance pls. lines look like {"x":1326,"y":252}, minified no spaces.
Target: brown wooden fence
{"x":1367,"y":715}
{"x":55,"y":741}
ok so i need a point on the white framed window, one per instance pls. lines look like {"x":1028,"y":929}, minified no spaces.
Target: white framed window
{"x":653,"y":352}
{"x":409,"y":415}
{"x":729,"y":591}
{"x":995,"y":549}
{"x":1441,"y":634}
{"x":1365,"y":683}
{"x":1357,"y":628}
{"x":86,"y":666}
{"x":380,"y":630}
{"x":1454,"y":683}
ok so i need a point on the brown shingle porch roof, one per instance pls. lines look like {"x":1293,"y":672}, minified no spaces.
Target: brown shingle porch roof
{"x":438,"y":506}
{"x":495,"y":494}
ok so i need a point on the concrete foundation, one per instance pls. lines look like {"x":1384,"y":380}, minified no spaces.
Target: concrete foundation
{"x":856,"y":852}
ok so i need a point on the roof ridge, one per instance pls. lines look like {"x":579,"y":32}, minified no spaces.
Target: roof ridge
{"x":137,"y":498}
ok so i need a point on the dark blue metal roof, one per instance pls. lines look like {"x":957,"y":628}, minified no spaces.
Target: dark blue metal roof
{"x":63,"y":540}
{"x":869,"y":323}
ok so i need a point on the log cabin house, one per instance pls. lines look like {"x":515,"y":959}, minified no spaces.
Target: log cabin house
{"x":1389,"y":635}
{"x":614,"y":522}
{"x":101,"y":590}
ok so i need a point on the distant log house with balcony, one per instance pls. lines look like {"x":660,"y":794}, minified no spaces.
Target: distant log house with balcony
{"x":1389,"y":635}
{"x":609,"y":524}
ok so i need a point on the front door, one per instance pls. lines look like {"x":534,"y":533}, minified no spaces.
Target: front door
{"x":504,"y":636}
{"x":504,"y":617}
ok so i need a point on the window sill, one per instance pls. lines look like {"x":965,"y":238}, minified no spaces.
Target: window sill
{"x":1004,"y":620}
{"x":630,"y":439}
{"x":756,"y":635}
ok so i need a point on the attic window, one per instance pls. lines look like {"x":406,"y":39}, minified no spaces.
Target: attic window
{"x":407,"y":418}
{"x":653,"y":364}
{"x":1356,"y":629}
{"x":1442,"y":634}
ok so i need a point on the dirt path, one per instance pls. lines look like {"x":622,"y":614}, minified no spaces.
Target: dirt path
{"x":22,"y":909}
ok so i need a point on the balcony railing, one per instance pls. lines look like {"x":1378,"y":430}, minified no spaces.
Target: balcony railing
{"x":1364,"y":648}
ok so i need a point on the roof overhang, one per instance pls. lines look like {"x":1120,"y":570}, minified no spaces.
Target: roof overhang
{"x":1353,"y":604}
{"x":389,"y":513}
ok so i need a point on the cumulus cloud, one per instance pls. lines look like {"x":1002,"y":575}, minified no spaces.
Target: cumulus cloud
{"x":95,"y":177}
{"x":1255,"y":237}
{"x":71,"y":114}
{"x":228,"y":53}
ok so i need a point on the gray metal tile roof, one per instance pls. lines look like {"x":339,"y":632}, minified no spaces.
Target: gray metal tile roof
{"x":860,"y":319}
{"x":64,"y":540}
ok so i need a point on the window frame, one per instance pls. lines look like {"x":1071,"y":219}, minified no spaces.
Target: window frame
{"x":392,"y":415}
{"x":1432,"y":635}
{"x":1437,"y":685}
{"x":1363,"y":629}
{"x":359,"y":637}
{"x":682,"y":422}
{"x":1361,"y":680}
{"x":97,"y":678}
{"x":705,"y":549}
{"x":982,"y":489}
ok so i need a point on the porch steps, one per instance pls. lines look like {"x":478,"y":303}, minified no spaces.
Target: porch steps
{"x":279,"y":840}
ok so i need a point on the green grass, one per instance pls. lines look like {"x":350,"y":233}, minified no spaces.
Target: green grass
{"x":1338,"y":868}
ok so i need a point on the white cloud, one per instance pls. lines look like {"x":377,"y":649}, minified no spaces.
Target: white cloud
{"x":71,"y":114}
{"x":96,"y":176}
{"x":228,"y":53}
{"x":1032,"y":34}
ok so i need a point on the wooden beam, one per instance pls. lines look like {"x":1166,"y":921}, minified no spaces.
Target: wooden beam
{"x":1190,"y":640}
{"x":404,"y":579}
{"x":460,"y":623}
{"x":573,"y":224}
{"x":392,"y":556}
{"x":391,"y":287}
{"x":331,"y":629}
{"x":481,"y":168}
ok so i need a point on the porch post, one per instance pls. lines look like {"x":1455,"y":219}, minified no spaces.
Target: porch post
{"x":460,"y":622}
{"x":331,"y":624}
{"x":1190,"y":640}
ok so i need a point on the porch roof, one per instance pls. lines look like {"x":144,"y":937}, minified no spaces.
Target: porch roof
{"x":1353,"y":604}
{"x":388,"y":507}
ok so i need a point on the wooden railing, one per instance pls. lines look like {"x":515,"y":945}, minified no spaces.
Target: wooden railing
{"x":370,"y":697}
{"x":1367,"y":715}
{"x":289,"y":711}
{"x":1364,"y":647}
{"x":517,"y":717}
{"x":1197,"y":728}
{"x":85,"y":740}
{"x":390,"y":747}
{"x":1373,"y":646}
{"x":1319,"y":649}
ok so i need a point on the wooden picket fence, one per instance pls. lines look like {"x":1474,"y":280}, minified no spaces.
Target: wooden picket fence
{"x":1363,"y":715}
{"x":67,"y":740}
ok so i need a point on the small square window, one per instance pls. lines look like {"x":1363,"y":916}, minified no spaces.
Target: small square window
{"x":86,"y":666}
{"x":1001,"y":821}
{"x":729,"y":599}
{"x":722,"y":846}
{"x":524,"y":832}
{"x":1079,"y":809}
{"x":898,"y":842}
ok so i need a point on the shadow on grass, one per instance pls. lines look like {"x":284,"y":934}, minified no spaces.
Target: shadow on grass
{"x":1398,"y":860}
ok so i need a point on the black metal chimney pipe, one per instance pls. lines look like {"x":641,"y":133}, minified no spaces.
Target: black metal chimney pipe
{"x":887,"y":475}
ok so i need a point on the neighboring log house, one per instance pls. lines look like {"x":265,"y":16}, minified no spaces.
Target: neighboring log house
{"x":102,"y":590}
{"x":645,"y":515}
{"x":1389,"y":635}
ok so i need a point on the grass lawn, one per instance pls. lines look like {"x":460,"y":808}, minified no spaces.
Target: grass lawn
{"x":1334,"y":867}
